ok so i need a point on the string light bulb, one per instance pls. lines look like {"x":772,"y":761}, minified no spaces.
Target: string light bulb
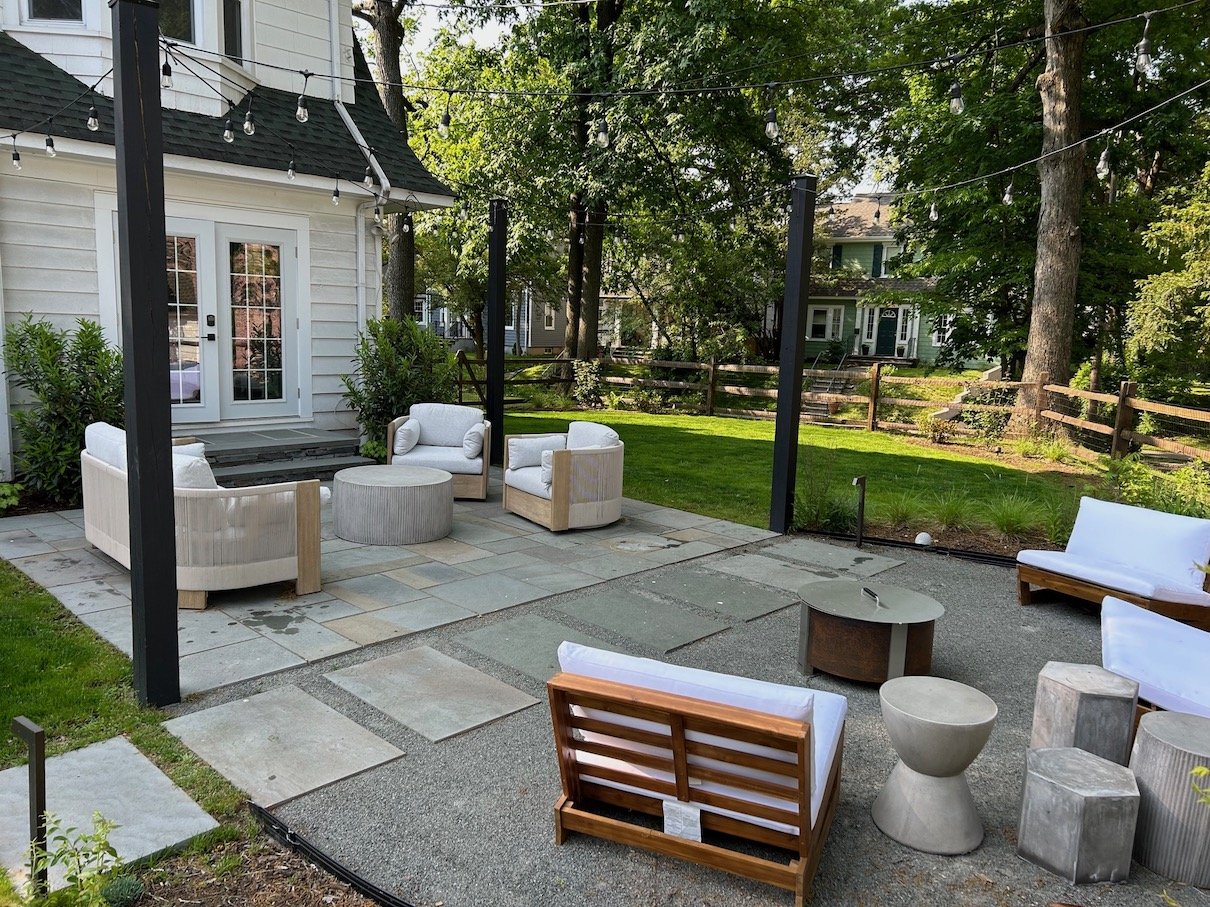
{"x":878,"y":211}
{"x":1008,"y":193}
{"x":166,"y":76}
{"x":407,"y":223}
{"x":336,"y":196}
{"x":934,"y":214}
{"x":300,"y":112}
{"x":94,"y":121}
{"x":443,"y":128}
{"x":290,"y":174}
{"x":602,"y":133}
{"x":1142,"y":50}
{"x":16,"y":155}
{"x":378,"y":215}
{"x":228,"y":132}
{"x":957,"y":105}
{"x":772,"y":130}
{"x":249,"y":123}
{"x":678,"y":237}
{"x":1104,"y":163}
{"x":368,"y":181}
{"x":50,"y":147}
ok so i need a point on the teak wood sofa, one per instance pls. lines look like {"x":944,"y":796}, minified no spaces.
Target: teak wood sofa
{"x":746,"y":773}
{"x":226,"y":538}
{"x":1142,"y":556}
{"x":444,"y":436}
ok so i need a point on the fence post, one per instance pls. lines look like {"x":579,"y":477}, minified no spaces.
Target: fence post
{"x":871,"y":423}
{"x":460,"y":364}
{"x":710,"y":386}
{"x":1124,"y":421}
{"x":1040,"y":398}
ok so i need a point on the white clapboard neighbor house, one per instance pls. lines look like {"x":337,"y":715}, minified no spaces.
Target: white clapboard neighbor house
{"x":269,"y":278}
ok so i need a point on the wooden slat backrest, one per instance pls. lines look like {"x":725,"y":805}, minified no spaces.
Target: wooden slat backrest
{"x":679,"y":753}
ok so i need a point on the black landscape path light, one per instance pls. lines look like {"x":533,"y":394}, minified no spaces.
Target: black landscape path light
{"x":35,"y":741}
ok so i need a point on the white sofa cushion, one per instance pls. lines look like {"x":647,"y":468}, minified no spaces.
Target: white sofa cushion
{"x":407,"y":436}
{"x":590,"y":434}
{"x":444,"y":424}
{"x":1169,"y":659}
{"x":1116,"y":575}
{"x":524,"y":452}
{"x":193,"y":449}
{"x":547,"y":467}
{"x":192,"y":472}
{"x":107,"y":443}
{"x":529,"y":479}
{"x":472,"y":441}
{"x":825,"y":711}
{"x":451,"y":459}
{"x":1163,"y":544}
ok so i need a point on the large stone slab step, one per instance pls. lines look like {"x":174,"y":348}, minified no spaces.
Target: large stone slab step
{"x":286,"y":470}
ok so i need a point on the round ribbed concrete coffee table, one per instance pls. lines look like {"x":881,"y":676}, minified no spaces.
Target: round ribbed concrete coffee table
{"x":937,"y":727}
{"x":393,"y":505}
{"x":1173,"y":836}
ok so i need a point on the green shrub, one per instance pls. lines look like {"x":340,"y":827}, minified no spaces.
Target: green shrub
{"x":74,"y":378}
{"x":398,"y":364}
{"x":541,"y":398}
{"x":1185,"y":491}
{"x":899,"y":511}
{"x":10,"y":495}
{"x":1058,"y":519}
{"x":826,"y":508}
{"x":375,"y":450}
{"x":952,"y":510}
{"x":937,"y":430}
{"x":123,"y":891}
{"x":87,"y":859}
{"x":586,"y":386}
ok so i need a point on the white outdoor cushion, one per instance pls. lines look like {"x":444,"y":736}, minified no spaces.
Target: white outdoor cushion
{"x":406,"y":436}
{"x":528,"y":478}
{"x":451,"y":459}
{"x":1119,"y":576}
{"x":472,"y":441}
{"x":1164,"y":544}
{"x":196,"y":449}
{"x":1169,"y":659}
{"x":444,"y":424}
{"x":524,"y":452}
{"x":825,"y":711}
{"x":590,"y":434}
{"x":107,"y":443}
{"x":548,"y":462}
{"x":192,"y":472}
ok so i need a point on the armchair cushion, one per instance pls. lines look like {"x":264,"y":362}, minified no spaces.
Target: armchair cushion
{"x":407,"y":436}
{"x":451,"y":459}
{"x":523,"y":452}
{"x":472,"y":441}
{"x":590,"y":434}
{"x":444,"y":424}
{"x":528,"y":479}
{"x":547,"y":467}
{"x":1169,"y":659}
{"x":192,"y":472}
{"x":108,"y":444}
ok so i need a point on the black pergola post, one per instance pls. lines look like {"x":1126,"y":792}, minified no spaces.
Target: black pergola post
{"x":793,"y":335}
{"x":497,"y":299}
{"x":144,"y":291}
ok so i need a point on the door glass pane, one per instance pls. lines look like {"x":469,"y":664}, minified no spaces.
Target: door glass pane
{"x":176,"y":19}
{"x":184,"y":359}
{"x":57,"y":9}
{"x":256,"y":322}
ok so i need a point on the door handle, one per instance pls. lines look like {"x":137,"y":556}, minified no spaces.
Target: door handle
{"x":210,"y":337}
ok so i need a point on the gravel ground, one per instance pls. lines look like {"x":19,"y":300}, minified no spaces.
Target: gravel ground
{"x":467,"y":821}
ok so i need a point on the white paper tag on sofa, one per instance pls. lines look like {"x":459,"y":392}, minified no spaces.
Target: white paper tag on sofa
{"x":684,"y":820}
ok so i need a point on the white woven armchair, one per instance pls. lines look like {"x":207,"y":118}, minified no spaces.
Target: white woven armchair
{"x":565,"y":481}
{"x":226,"y":538}
{"x":444,"y":436}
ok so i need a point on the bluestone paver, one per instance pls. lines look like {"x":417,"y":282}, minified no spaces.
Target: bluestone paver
{"x":770,"y":571}
{"x":716,"y":592}
{"x":528,"y":643}
{"x":834,"y":557}
{"x":650,"y":622}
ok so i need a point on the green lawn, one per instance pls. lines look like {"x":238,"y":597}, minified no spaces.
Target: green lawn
{"x":723,"y":468}
{"x":60,"y":674}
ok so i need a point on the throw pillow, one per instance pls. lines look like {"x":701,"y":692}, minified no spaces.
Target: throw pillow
{"x":472,"y":441}
{"x":196,"y":449}
{"x":523,"y":452}
{"x":192,"y":472}
{"x":406,"y":436}
{"x":548,"y":459}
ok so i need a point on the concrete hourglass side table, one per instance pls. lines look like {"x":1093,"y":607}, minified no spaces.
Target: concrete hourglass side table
{"x":937,"y":727}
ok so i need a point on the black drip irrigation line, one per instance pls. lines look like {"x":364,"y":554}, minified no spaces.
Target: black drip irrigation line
{"x":295,"y":842}
{"x":981,"y":557}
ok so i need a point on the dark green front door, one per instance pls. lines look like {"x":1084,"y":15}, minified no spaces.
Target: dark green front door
{"x":888,"y":332}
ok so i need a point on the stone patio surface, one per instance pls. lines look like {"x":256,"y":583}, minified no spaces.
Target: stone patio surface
{"x":418,"y":749}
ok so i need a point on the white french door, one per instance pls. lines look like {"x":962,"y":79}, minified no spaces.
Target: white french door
{"x":193,"y":364}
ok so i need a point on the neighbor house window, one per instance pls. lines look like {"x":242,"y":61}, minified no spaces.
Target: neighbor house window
{"x":549,"y":321}
{"x":176,"y":20}
{"x":870,"y":315}
{"x":62,"y":10}
{"x":418,"y":307}
{"x":904,"y":324}
{"x":837,"y":256}
{"x":824,"y":322}
{"x":876,"y":267}
{"x":943,"y":326}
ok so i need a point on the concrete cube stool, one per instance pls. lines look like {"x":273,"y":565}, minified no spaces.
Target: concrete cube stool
{"x":1078,"y":815}
{"x":1173,"y":837}
{"x":1087,"y":707}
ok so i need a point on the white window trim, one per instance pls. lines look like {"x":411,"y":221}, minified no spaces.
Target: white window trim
{"x":548,"y":321}
{"x":834,"y":327}
{"x":943,"y":328}
{"x":105,"y":205}
{"x":86,"y":22}
{"x":905,"y":318}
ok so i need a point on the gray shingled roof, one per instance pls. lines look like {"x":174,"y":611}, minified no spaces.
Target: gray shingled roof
{"x":854,"y":219}
{"x":35,"y":88}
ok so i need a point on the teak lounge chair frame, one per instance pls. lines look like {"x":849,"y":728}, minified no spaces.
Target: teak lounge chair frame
{"x":1027,"y":576}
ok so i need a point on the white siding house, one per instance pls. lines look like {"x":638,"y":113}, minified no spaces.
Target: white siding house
{"x":269,"y":282}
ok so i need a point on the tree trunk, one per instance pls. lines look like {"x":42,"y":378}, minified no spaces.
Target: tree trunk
{"x":575,"y":278}
{"x":590,"y":304}
{"x":1057,"y":268}
{"x":400,"y":275}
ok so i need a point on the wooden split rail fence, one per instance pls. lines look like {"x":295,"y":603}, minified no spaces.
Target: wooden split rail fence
{"x":868,"y":393}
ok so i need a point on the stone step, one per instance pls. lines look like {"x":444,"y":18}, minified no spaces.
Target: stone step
{"x":266,"y":472}
{"x":221,"y":452}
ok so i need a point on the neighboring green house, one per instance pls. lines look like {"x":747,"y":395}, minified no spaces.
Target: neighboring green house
{"x":860,"y":245}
